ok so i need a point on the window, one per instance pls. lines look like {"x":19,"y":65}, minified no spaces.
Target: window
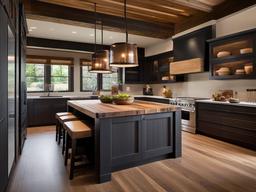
{"x":60,"y":77}
{"x":44,"y":73}
{"x":35,"y":77}
{"x":108,"y":80}
{"x":88,"y":80}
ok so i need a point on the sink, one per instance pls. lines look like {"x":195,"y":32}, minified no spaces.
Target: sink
{"x":94,"y":97}
{"x":46,"y":96}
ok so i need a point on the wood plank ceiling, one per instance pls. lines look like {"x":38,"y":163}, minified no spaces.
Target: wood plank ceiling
{"x":154,"y":18}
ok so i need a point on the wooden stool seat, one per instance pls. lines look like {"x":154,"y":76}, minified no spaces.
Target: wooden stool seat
{"x":65,"y":118}
{"x":77,"y":129}
{"x":59,"y":126}
{"x":62,"y":114}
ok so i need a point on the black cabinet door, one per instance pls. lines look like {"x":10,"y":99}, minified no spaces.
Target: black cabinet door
{"x":42,"y":111}
{"x":3,"y":100}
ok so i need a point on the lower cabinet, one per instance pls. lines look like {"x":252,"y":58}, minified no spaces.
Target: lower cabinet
{"x":42,"y":111}
{"x":234,"y":124}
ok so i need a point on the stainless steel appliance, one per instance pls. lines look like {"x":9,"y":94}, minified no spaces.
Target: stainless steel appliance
{"x":188,"y":112}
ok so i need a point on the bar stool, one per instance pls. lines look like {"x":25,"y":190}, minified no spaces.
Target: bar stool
{"x":62,"y":130}
{"x":58,"y":124}
{"x":75,"y":130}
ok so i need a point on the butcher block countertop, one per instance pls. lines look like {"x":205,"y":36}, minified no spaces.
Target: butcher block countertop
{"x":96,"y":109}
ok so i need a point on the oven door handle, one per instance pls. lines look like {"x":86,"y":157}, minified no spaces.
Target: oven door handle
{"x":192,"y":111}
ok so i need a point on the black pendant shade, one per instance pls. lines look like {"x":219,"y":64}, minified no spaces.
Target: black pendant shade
{"x":124,"y":54}
{"x":100,"y":58}
{"x":100,"y":62}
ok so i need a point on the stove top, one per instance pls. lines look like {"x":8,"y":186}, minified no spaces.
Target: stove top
{"x":186,"y":103}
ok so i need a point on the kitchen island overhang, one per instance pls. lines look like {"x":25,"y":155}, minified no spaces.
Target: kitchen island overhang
{"x":130,"y":135}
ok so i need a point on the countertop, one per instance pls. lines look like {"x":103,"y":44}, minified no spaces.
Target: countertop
{"x":63,"y":97}
{"x":96,"y":109}
{"x":242,"y":104}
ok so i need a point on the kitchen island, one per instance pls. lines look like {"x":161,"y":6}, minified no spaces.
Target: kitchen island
{"x":130,"y":135}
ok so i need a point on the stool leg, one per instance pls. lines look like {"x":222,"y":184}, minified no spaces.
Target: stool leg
{"x":57,"y":130}
{"x":72,"y":164}
{"x":60,"y":133}
{"x":66,"y":149}
{"x":64,"y":132}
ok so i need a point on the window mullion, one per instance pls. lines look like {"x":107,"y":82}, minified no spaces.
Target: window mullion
{"x":47,"y":76}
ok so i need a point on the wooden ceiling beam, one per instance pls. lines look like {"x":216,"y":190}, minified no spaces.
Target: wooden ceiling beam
{"x":195,"y":4}
{"x":226,"y":8}
{"x":135,"y":9}
{"x":56,"y":13}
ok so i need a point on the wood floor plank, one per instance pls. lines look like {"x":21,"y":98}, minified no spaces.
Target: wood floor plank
{"x":207,"y":165}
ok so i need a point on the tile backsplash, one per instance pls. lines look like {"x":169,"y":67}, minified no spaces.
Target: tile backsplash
{"x":199,"y":85}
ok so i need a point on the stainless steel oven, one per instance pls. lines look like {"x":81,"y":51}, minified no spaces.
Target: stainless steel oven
{"x":188,"y":112}
{"x":188,"y":120}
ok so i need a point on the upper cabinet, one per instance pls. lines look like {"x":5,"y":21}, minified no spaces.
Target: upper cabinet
{"x":233,"y":56}
{"x":191,"y":52}
{"x":157,"y":69}
{"x":135,"y":74}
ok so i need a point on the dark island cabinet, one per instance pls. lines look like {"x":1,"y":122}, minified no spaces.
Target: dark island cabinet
{"x":234,"y":124}
{"x":42,"y":111}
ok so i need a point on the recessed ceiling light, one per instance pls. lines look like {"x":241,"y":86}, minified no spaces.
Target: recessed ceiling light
{"x":52,"y":29}
{"x":92,"y":35}
{"x":74,"y":32}
{"x":110,"y":37}
{"x":32,"y":28}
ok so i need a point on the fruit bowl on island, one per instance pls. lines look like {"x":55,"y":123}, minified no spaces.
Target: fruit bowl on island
{"x":106,"y":98}
{"x":123,"y":99}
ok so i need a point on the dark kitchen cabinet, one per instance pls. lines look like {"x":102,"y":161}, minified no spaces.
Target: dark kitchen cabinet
{"x":231,"y":123}
{"x":3,"y":99}
{"x":135,"y":74}
{"x":42,"y":111}
{"x":156,"y":69}
{"x":21,"y":89}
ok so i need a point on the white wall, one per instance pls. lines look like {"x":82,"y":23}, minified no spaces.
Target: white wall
{"x":165,"y":45}
{"x":75,"y":55}
{"x":199,"y":85}
{"x":237,"y":22}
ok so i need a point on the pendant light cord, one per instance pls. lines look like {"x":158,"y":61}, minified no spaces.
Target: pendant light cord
{"x":125,"y":20}
{"x":95,"y":26}
{"x":102,"y":34}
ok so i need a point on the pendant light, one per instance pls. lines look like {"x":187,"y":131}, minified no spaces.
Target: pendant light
{"x":100,"y":59}
{"x":124,"y":54}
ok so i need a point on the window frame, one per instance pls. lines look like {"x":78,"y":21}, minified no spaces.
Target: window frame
{"x":81,"y":79}
{"x":47,"y":72}
{"x":99,"y":77}
{"x":35,"y":76}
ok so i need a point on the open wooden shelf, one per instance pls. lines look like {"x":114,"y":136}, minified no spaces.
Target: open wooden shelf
{"x":233,"y":44}
{"x":232,"y":58}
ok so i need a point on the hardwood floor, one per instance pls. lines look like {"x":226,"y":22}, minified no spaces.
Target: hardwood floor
{"x":206,"y":165}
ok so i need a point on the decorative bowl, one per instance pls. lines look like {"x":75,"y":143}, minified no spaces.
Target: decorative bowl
{"x":120,"y":101}
{"x":248,"y":69}
{"x":106,"y":99}
{"x":245,"y":50}
{"x":223,"y":71}
{"x":223,"y":54}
